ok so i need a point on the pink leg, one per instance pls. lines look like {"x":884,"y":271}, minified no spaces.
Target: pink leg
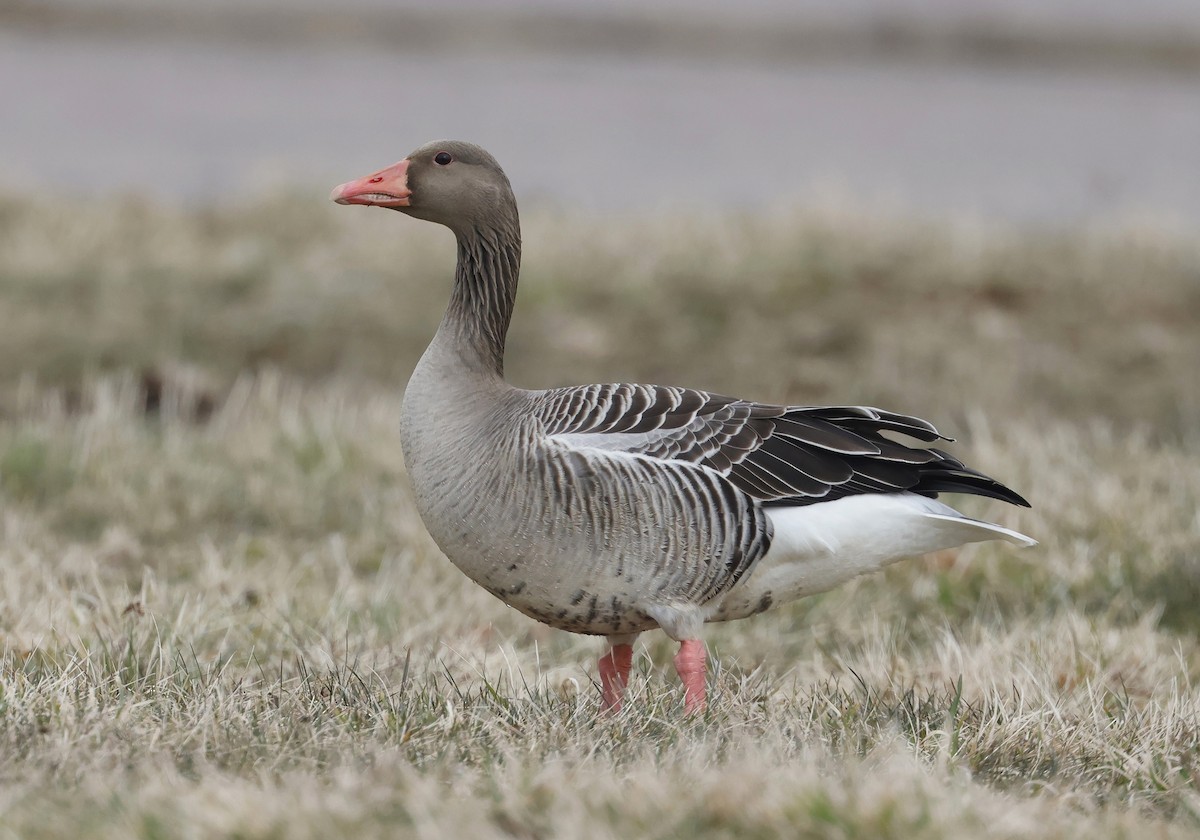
{"x":614,"y":676}
{"x":690,"y":663}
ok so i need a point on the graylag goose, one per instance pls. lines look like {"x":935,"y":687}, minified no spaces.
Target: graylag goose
{"x":614,"y":509}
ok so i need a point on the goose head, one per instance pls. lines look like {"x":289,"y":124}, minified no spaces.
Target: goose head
{"x":450,"y":182}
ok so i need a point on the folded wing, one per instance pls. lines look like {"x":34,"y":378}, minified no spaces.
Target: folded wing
{"x":779,"y":455}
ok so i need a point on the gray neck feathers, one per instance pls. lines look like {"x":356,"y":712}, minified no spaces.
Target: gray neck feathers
{"x":485,"y":290}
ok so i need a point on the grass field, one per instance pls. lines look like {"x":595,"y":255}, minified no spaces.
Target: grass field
{"x":220,"y":616}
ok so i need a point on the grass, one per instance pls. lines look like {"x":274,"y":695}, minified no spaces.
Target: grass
{"x":219,"y":613}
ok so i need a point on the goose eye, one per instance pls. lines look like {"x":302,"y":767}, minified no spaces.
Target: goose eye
{"x":442,"y":158}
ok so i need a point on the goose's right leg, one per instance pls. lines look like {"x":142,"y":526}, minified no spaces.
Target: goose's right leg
{"x":691,"y":663}
{"x":614,"y":672}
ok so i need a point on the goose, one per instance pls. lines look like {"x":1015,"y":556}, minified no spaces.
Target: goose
{"x":615,"y":509}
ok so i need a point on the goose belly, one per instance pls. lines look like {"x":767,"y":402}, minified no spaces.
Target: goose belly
{"x":593,"y":561}
{"x":549,"y":580}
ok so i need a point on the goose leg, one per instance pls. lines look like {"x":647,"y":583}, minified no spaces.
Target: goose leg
{"x":614,"y":673}
{"x":691,"y":665}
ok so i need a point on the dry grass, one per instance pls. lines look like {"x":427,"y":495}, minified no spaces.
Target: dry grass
{"x":229,"y":621}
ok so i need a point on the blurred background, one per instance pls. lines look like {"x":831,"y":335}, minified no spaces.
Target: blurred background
{"x":1019,"y":109}
{"x":933,"y":205}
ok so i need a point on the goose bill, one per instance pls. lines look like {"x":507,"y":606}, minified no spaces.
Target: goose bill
{"x":385,"y":188}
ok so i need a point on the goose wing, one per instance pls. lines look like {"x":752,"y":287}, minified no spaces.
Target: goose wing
{"x":778,"y":455}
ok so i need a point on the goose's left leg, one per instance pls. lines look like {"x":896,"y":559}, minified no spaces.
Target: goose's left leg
{"x":683,"y":623}
{"x":691,"y":663}
{"x":614,"y":672}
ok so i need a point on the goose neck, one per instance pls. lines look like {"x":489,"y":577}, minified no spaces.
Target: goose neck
{"x":485,"y":291}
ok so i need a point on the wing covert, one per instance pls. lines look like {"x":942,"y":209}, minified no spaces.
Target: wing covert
{"x":778,"y":455}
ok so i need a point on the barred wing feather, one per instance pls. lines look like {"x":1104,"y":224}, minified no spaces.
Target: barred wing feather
{"x":779,"y":455}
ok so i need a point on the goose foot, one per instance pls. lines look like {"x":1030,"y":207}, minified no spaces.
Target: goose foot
{"x":691,"y":665}
{"x":614,"y":676}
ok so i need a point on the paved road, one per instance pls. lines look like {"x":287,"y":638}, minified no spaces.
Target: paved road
{"x":196,"y":119}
